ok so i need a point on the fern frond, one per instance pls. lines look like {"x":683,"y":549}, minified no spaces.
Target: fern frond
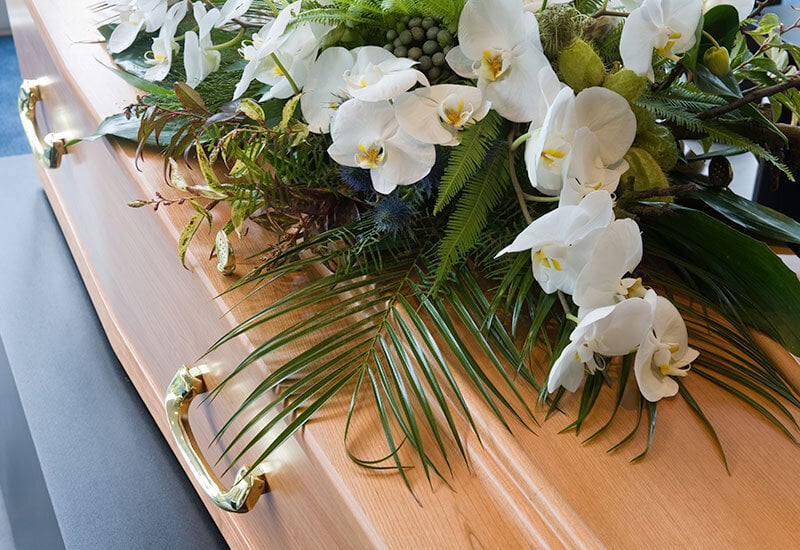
{"x":482,"y":193}
{"x":466,"y":159}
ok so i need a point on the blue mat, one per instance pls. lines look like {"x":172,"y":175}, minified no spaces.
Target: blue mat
{"x":12,"y":140}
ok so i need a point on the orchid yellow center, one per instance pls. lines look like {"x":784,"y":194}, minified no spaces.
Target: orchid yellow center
{"x":549,"y":156}
{"x":454,"y":112}
{"x":666,"y":49}
{"x":551,"y":263}
{"x":371,"y":156}
{"x":492,"y":65}
{"x":277,"y":71}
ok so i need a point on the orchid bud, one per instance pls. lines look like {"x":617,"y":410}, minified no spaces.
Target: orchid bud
{"x":717,"y":60}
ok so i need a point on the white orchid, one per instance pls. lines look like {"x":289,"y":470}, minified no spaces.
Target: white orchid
{"x":607,"y":331}
{"x":534,"y":6}
{"x":500,"y":46}
{"x":603,"y":123}
{"x":666,"y":25}
{"x":436,"y":114}
{"x":274,"y":52}
{"x":200,"y":59}
{"x":232,"y":9}
{"x":164,"y":46}
{"x":136,"y":15}
{"x":378,"y":75}
{"x":585,"y":170}
{"x":664,"y":352}
{"x":325,"y":88}
{"x":561,"y":241}
{"x":295,"y":56}
{"x":743,"y":7}
{"x":602,"y":281}
{"x":366,"y":135}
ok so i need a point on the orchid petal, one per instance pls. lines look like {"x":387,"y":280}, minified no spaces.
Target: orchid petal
{"x":499,"y":24}
{"x":407,"y":162}
{"x":568,"y":370}
{"x":325,"y":88}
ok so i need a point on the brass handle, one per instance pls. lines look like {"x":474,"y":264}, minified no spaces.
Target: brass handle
{"x":47,"y":150}
{"x":188,"y":383}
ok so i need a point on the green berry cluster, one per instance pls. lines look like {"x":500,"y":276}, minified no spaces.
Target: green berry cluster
{"x":425,"y":40}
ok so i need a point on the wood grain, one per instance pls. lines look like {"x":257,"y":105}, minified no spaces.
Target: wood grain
{"x":529,"y":488}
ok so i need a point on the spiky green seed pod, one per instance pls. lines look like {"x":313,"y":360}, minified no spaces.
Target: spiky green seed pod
{"x":660,"y":143}
{"x":558,"y":26}
{"x":580,"y":67}
{"x":646,"y":172}
{"x":645,"y":121}
{"x":626,"y":83}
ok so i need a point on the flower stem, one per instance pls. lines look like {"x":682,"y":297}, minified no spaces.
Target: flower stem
{"x":713,"y":40}
{"x":232,"y":42}
{"x":565,"y":305}
{"x":285,"y":73}
{"x":537,"y":198}
{"x":520,"y":140}
{"x":573,"y":318}
{"x":512,"y":170}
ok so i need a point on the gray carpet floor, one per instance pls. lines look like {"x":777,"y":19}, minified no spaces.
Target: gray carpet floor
{"x":12,"y":142}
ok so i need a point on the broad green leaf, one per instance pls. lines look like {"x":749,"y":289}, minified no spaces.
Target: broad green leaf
{"x":139,"y":82}
{"x":126,"y":128}
{"x":767,"y":291}
{"x":709,"y":82}
{"x":761,"y":220}
{"x":132,"y":59}
{"x":721,"y":22}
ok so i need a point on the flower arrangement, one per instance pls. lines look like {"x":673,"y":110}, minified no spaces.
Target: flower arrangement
{"x":510,"y":176}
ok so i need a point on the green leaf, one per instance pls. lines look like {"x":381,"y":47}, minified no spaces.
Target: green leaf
{"x":482,"y":194}
{"x":139,"y":82}
{"x":751,"y":216}
{"x":126,"y":128}
{"x":766,"y":291}
{"x":466,"y":159}
{"x":709,"y":82}
{"x":190,"y":230}
{"x":189,"y":98}
{"x":132,"y":59}
{"x":721,"y":22}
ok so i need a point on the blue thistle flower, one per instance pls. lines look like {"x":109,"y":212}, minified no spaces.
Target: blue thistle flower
{"x":392,"y":214}
{"x":358,"y":179}
{"x":428,"y":185}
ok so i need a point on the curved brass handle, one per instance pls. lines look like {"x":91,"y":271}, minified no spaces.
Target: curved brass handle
{"x":188,"y":383}
{"x":47,"y":150}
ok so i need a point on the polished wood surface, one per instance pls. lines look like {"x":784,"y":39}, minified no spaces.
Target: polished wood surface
{"x":532,"y":488}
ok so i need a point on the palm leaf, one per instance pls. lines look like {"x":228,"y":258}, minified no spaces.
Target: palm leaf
{"x":374,"y":318}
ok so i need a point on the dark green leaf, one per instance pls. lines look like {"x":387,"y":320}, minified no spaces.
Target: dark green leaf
{"x":761,"y":220}
{"x":767,"y":291}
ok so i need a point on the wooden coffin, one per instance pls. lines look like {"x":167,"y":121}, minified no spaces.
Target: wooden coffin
{"x":532,"y":488}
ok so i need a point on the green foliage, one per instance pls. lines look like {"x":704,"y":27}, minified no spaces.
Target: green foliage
{"x":482,"y":193}
{"x":377,"y":335}
{"x":466,"y":159}
{"x":761,"y":289}
{"x":681,"y":104}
